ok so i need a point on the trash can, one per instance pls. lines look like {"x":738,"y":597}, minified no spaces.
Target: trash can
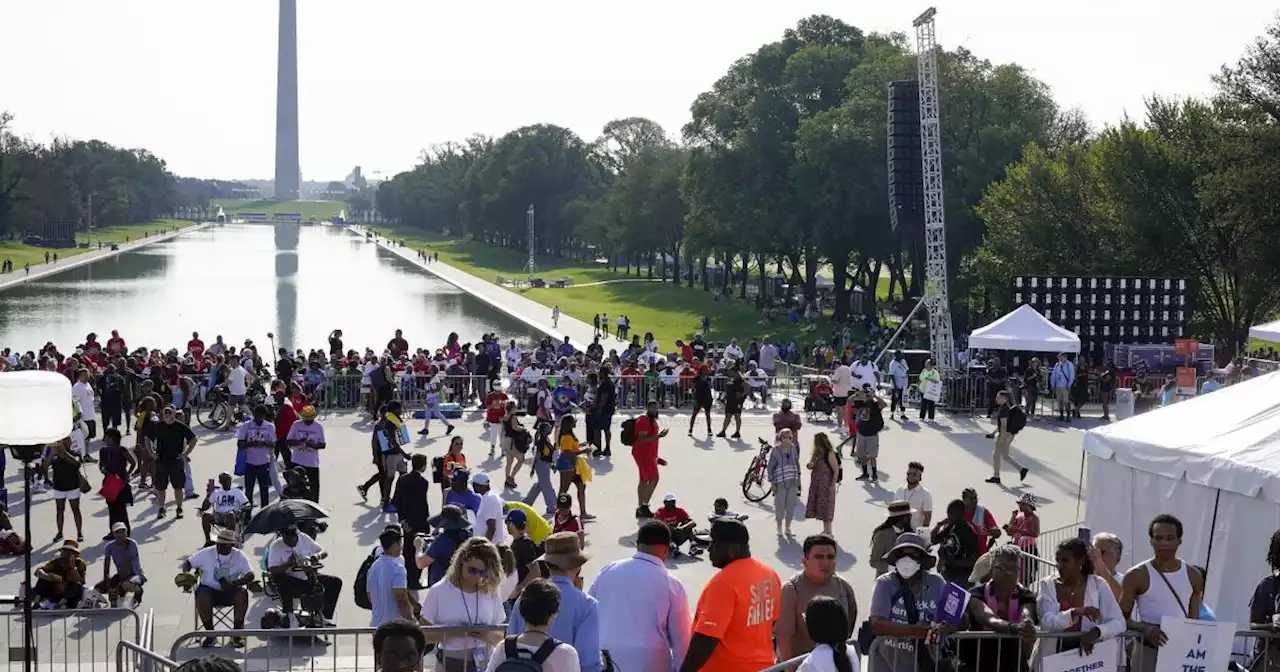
{"x":1124,"y":403}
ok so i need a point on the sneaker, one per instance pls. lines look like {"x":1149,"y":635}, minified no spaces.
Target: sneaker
{"x":720,"y":434}
{"x":608,"y":453}
{"x":736,"y":435}
{"x":1022,"y":474}
{"x":57,"y":537}
{"x":424,"y":431}
{"x":389,"y":508}
{"x":449,"y":431}
{"x":178,"y":515}
{"x":691,"y":433}
{"x":160,"y":514}
{"x":492,"y":452}
{"x":209,"y":642}
{"x":588,"y":516}
{"x":39,"y":487}
{"x":863,"y":477}
{"x":238,"y":643}
{"x":994,"y":480}
{"x":192,"y":495}
{"x":88,"y":459}
{"x":364,"y":493}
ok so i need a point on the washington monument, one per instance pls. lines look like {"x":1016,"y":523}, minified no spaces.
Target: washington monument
{"x":287,"y":104}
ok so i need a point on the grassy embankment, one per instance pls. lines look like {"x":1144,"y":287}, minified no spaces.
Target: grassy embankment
{"x":21,"y":254}
{"x":667,"y":310}
{"x":318,"y":210}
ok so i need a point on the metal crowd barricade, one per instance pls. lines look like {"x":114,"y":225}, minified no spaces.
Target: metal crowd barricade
{"x":133,"y":658}
{"x":979,"y":651}
{"x":321,"y":649}
{"x":81,"y":640}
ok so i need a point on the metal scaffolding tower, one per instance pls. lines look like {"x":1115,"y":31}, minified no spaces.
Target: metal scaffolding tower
{"x":936,"y":296}
{"x":531,"y":266}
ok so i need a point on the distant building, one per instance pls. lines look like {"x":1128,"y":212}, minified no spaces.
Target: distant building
{"x":356,"y":180}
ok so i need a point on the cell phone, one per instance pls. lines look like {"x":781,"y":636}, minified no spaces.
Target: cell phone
{"x":1086,"y":535}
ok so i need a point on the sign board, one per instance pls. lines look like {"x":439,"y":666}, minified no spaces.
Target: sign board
{"x":933,"y":391}
{"x":1185,"y":379}
{"x":952,"y":606}
{"x":1186,"y":347}
{"x":1194,"y":645}
{"x":1106,"y":657}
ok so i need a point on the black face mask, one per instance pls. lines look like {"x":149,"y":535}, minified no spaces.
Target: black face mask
{"x":652,"y":414}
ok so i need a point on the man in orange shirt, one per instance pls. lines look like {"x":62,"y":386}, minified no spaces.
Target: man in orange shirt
{"x":733,"y":624}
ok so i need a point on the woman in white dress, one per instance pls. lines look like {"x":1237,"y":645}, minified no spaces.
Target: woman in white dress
{"x":1075,"y":599}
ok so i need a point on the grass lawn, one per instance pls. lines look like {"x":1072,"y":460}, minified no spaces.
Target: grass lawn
{"x":667,"y":310}
{"x":23,"y":254}
{"x":320,"y":210}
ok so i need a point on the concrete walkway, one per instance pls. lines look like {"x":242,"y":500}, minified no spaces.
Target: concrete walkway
{"x":18,"y":277}
{"x":512,"y":303}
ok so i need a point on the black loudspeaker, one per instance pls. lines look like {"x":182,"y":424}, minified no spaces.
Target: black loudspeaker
{"x":1110,"y":310}
{"x":906,"y":179}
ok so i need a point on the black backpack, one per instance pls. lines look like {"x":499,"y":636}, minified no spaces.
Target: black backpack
{"x":514,"y":660}
{"x":1017,"y":419}
{"x":628,"y":432}
{"x":361,"y":590}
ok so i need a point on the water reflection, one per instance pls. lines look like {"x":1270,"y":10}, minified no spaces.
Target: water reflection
{"x":243,"y":281}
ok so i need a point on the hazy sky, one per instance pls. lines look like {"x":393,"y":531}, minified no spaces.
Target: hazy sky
{"x":379,"y":80}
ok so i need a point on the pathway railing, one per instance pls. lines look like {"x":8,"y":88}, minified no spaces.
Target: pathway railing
{"x":75,"y":640}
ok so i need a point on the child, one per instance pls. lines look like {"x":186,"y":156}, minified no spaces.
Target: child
{"x":565,"y":521}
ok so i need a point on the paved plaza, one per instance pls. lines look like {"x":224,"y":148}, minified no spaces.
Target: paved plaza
{"x":953,"y":450}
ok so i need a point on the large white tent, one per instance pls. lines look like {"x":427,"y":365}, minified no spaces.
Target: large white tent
{"x":1212,"y":461}
{"x":1266,"y":332}
{"x":1025,"y":329}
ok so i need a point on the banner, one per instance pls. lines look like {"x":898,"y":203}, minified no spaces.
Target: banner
{"x":933,"y":391}
{"x":1105,"y":658}
{"x":1185,"y":379}
{"x":1195,"y":645}
{"x":1186,"y":347}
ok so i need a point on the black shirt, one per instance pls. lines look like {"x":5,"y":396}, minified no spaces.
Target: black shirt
{"x":484,"y":364}
{"x":171,"y":439}
{"x":702,"y":388}
{"x":996,"y":375}
{"x":66,"y":473}
{"x":335,"y":346}
{"x":526,"y":552}
{"x":606,"y":395}
{"x":284,"y":370}
{"x":410,"y":500}
{"x":870,"y":417}
{"x":699,"y":350}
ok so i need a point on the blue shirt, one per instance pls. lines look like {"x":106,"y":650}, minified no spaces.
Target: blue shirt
{"x":441,"y":552}
{"x":386,"y":574}
{"x":1063,"y":375}
{"x":468,"y":500}
{"x":578,"y":623}
{"x":1209,"y":386}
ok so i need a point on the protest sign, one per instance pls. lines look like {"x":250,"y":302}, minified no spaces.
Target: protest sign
{"x":1105,"y":658}
{"x":1194,"y":645}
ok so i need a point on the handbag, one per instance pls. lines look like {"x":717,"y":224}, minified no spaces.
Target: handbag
{"x":85,"y":488}
{"x":111,"y":488}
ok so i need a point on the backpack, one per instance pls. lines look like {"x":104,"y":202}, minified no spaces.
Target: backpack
{"x":1017,"y":419}
{"x":515,"y":662}
{"x":628,"y":432}
{"x":361,"y":590}
{"x":437,"y":470}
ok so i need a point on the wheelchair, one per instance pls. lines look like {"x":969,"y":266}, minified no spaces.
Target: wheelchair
{"x":308,"y":608}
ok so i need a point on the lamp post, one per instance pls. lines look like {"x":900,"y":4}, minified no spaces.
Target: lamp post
{"x":34,"y":411}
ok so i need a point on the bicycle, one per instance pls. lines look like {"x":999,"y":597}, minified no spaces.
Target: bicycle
{"x":755,"y":484}
{"x":215,"y":412}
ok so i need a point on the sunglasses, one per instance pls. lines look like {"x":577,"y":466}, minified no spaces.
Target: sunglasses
{"x":482,"y":573}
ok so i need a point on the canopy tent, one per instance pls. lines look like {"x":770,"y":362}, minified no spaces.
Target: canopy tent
{"x":1266,"y":332}
{"x":1212,"y":461}
{"x":1025,"y":329}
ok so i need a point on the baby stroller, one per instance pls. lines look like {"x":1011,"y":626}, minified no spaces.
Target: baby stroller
{"x":818,"y":401}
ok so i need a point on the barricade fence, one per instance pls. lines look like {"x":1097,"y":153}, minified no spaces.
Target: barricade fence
{"x":332,"y":649}
{"x":133,"y":658}
{"x":81,"y":640}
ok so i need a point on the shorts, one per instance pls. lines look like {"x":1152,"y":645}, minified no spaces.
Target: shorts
{"x":646,"y":458}
{"x":67,"y":494}
{"x":699,"y":404}
{"x":392,"y":463}
{"x":221,"y":598}
{"x":566,"y":462}
{"x":172,"y":472}
{"x":236,"y":399}
{"x":867,"y":447}
{"x":838,"y":402}
{"x":92,"y":426}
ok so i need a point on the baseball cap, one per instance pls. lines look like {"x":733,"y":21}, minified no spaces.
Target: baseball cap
{"x":669,"y":497}
{"x":564,"y":502}
{"x":460,"y":475}
{"x":117,"y":526}
{"x":517,"y":517}
{"x":480,"y":479}
{"x":729,"y":531}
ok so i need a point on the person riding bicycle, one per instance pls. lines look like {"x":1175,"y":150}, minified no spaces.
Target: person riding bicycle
{"x":226,"y":502}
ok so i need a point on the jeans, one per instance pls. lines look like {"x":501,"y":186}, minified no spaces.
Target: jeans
{"x":896,"y":401}
{"x":189,"y":487}
{"x":543,"y":471}
{"x":927,"y":408}
{"x":784,"y":500}
{"x":433,"y":413}
{"x":257,"y":475}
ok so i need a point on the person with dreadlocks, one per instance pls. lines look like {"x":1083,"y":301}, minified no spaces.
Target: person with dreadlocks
{"x":1264,"y":608}
{"x":210,"y":664}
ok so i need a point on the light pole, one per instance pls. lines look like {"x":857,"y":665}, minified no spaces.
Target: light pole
{"x":530,"y":267}
{"x":34,"y":411}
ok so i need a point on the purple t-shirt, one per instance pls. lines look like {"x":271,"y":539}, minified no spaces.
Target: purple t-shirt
{"x":302,"y":455}
{"x":257,"y":455}
{"x":125,"y":559}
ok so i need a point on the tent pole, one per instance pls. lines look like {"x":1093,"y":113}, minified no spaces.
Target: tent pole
{"x":1212,"y":525}
{"x":1080,"y":485}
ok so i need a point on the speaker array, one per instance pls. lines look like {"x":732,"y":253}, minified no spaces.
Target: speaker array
{"x":906,"y":181}
{"x":1104,"y":310}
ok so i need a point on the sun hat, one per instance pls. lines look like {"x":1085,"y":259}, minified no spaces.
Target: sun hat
{"x":71,"y":545}
{"x":900,"y":507}
{"x":563,"y":551}
{"x":910,"y":540}
{"x":1028,"y":499}
{"x":226,"y":536}
{"x":450,"y":517}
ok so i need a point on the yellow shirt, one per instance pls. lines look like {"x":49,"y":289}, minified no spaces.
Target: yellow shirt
{"x":537,"y":527}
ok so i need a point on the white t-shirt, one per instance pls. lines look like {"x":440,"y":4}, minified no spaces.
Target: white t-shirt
{"x":491,"y":509}
{"x":757,"y":379}
{"x":446,"y":604}
{"x":563,"y":659}
{"x":822,"y":659}
{"x":733,"y":351}
{"x":83,"y":394}
{"x":237,"y":381}
{"x":919,"y":498}
{"x":864,"y":373}
{"x":280,"y":552}
{"x":841,"y":381}
{"x":226,"y":501}
{"x":214,"y":566}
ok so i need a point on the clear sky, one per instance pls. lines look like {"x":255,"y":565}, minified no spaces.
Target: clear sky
{"x":380,"y":80}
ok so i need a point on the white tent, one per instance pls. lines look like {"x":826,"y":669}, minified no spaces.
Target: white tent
{"x":1266,"y":332}
{"x":1025,"y":329}
{"x":1212,"y":461}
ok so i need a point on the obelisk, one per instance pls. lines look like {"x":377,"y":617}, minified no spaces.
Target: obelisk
{"x":287,"y":104}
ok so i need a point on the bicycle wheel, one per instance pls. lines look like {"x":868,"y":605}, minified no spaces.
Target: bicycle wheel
{"x":754,"y":487}
{"x":215,"y":418}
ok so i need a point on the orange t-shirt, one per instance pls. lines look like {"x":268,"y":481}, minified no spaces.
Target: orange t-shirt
{"x":739,"y":606}
{"x":451,"y":463}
